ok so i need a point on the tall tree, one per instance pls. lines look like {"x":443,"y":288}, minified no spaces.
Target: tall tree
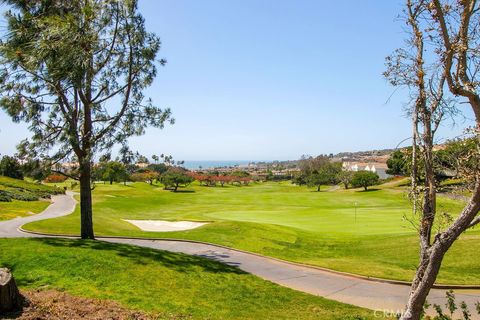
{"x":76,"y":71}
{"x":455,"y":65}
{"x":10,"y":167}
{"x":397,"y":163}
{"x":114,"y":171}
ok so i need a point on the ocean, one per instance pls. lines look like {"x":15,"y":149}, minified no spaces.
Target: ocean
{"x":210,"y":164}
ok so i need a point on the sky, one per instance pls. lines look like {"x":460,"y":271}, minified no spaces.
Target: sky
{"x":270,"y":79}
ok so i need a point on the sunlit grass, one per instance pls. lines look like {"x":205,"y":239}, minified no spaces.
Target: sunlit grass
{"x":171,"y":285}
{"x":347,"y":230}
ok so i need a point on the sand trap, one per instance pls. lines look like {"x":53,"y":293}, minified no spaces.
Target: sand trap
{"x":160,"y":225}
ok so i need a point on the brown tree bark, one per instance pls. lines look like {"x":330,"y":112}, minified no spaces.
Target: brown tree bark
{"x":10,"y":297}
{"x":432,"y":257}
{"x":86,"y":215}
{"x":455,"y":48}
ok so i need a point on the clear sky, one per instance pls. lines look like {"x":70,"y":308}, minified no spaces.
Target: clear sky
{"x":270,"y":79}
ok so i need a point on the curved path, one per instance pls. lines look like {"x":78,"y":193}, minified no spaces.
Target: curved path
{"x":62,"y":205}
{"x":344,"y":288}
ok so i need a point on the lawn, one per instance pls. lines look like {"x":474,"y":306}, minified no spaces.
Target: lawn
{"x":14,"y":209}
{"x":347,"y":230}
{"x":20,"y":188}
{"x":170,"y":285}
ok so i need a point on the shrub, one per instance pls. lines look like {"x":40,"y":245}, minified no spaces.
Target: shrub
{"x":43,"y":190}
{"x":21,"y":195}
{"x":4,"y":196}
{"x":452,"y":306}
{"x":146,"y":176}
{"x":55,"y":178}
{"x":26,"y":191}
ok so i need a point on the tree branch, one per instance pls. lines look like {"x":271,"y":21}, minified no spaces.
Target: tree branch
{"x":126,"y":101}
{"x":65,"y":174}
{"x":474,"y":222}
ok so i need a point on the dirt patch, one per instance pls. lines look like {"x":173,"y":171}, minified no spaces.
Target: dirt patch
{"x":55,"y":305}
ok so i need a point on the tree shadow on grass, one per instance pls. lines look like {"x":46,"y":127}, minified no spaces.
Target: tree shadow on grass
{"x":141,"y":255}
{"x":183,"y":191}
{"x":369,"y":190}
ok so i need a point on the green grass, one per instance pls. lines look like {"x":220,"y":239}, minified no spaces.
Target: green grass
{"x":173,"y":285}
{"x":14,"y":209}
{"x":288,"y":222}
{"x":41,"y":189}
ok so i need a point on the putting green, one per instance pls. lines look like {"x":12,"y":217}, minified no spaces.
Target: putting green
{"x":346,"y":230}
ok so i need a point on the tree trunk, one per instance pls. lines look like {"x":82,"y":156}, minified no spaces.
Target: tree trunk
{"x":365,"y":187}
{"x":429,"y":201}
{"x":10,"y":298}
{"x":86,"y":215}
{"x":424,"y":280}
{"x":431,"y":256}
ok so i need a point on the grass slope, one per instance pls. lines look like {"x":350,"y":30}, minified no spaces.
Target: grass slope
{"x":288,"y":222}
{"x":176,"y":286}
{"x":16,"y":208}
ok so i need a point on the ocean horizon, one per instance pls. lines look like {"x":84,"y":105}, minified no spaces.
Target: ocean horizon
{"x":210,"y":164}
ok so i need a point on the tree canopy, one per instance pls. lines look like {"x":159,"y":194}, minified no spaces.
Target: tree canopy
{"x":364,"y":179}
{"x":75,"y":71}
{"x":173,"y":178}
{"x":10,"y":167}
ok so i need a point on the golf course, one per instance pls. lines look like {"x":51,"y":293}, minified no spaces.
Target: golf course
{"x":20,"y":190}
{"x":365,"y":233}
{"x":163,"y":284}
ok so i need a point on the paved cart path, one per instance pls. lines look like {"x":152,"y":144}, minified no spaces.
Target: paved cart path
{"x":348,"y":289}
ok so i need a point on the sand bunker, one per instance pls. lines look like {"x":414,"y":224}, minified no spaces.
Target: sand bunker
{"x":160,"y":225}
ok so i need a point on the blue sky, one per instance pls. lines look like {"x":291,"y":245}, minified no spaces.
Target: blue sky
{"x":270,"y":79}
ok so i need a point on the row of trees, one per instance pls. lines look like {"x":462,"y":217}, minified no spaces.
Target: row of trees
{"x":211,"y":180}
{"x":318,"y":171}
{"x":11,"y":166}
{"x":449,"y":160}
{"x":115,"y":171}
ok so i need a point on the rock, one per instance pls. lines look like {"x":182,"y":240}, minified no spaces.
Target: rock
{"x":10,"y":298}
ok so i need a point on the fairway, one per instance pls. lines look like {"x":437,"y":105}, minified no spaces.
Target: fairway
{"x":347,"y":230}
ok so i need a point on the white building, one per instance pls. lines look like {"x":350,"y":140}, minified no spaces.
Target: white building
{"x":378,"y":168}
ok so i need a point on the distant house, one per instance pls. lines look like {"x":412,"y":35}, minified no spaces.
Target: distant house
{"x":142,"y":165}
{"x":377,"y":167}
